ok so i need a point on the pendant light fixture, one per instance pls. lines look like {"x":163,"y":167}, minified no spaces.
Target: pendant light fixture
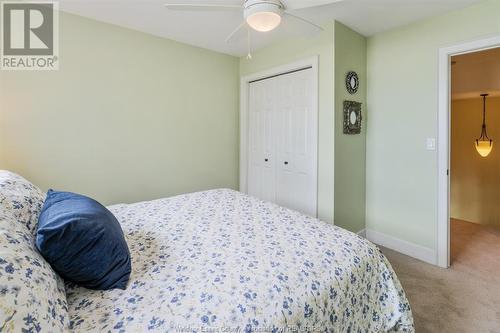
{"x":484,"y":144}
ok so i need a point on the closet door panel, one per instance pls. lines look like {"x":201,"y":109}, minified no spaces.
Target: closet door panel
{"x":261,"y":171}
{"x":285,"y":187}
{"x":296,"y":183}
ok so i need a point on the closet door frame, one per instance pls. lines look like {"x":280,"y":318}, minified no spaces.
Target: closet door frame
{"x":311,"y":63}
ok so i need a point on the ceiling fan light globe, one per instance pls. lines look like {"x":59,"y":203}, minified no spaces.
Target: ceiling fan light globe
{"x":484,"y":147}
{"x":264,"y":21}
{"x":263,"y":15}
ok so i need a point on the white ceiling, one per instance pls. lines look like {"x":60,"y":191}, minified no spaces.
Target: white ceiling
{"x":209,"y":29}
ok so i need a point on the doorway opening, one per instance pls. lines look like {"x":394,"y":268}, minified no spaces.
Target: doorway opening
{"x":475,"y":161}
{"x":446,"y":57}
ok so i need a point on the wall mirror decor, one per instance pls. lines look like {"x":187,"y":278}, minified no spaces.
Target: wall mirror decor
{"x":352,"y":117}
{"x":352,"y":82}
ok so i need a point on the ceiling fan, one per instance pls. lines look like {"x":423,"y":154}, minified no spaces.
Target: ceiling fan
{"x":260,"y":15}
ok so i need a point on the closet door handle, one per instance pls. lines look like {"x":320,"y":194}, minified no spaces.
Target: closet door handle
{"x":266,"y":160}
{"x":286,"y":163}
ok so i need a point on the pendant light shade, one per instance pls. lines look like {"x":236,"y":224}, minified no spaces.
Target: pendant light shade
{"x":484,"y":147}
{"x":484,"y":144}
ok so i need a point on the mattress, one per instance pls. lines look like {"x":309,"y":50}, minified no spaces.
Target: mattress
{"x":221,"y":261}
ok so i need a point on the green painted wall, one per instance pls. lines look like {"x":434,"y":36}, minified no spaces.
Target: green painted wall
{"x":350,"y":150}
{"x":401,"y":174}
{"x":296,"y":49}
{"x":127,"y":117}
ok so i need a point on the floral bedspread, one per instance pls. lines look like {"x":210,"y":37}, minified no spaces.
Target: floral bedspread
{"x":221,"y":261}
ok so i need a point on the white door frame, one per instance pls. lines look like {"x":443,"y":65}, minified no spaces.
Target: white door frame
{"x":244,"y":88}
{"x":445,"y":53}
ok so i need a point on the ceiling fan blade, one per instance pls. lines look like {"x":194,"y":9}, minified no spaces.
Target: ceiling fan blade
{"x":313,"y":25}
{"x":235,"y":32}
{"x":201,"y":6}
{"x":299,"y":4}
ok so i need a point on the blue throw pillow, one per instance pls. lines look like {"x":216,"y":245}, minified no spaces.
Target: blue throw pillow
{"x":83,"y":241}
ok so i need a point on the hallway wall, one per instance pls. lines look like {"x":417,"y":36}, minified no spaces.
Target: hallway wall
{"x":475,"y":181}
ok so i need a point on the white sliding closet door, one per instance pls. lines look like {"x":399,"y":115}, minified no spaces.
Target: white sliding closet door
{"x":282,"y":153}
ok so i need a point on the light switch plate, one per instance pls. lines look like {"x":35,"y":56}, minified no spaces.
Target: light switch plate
{"x":431,"y":144}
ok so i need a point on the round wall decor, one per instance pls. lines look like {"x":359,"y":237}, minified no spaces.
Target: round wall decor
{"x":352,"y":82}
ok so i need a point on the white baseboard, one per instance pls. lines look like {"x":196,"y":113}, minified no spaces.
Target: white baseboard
{"x":362,"y":233}
{"x":410,"y":249}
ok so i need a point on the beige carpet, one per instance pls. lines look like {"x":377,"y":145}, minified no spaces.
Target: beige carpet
{"x":463,"y":298}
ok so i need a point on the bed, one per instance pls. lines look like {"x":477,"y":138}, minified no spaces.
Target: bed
{"x":221,"y":261}
{"x":225,"y":261}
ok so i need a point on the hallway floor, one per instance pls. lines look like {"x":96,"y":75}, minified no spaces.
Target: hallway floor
{"x":463,"y":298}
